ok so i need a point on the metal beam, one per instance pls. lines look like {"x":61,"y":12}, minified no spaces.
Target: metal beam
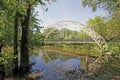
{"x":94,"y":35}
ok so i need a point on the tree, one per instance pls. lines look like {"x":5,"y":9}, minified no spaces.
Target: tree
{"x":17,"y":14}
{"x":110,"y":5}
{"x":99,"y":25}
{"x":24,"y":60}
{"x":113,"y":27}
{"x":16,"y":25}
{"x":113,"y":22}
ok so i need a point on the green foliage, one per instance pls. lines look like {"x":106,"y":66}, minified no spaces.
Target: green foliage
{"x":114,"y":47}
{"x":65,"y":34}
{"x":99,"y":24}
{"x":114,"y":27}
{"x":6,"y":21}
{"x":5,"y":58}
{"x":109,"y":30}
{"x":36,"y":39}
{"x":110,"y":5}
{"x":8,"y":10}
{"x":83,"y":35}
{"x":106,"y":27}
{"x":54,"y":35}
{"x":109,"y":69}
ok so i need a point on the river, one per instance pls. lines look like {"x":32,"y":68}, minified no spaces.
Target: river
{"x":58,"y":65}
{"x":69,"y":63}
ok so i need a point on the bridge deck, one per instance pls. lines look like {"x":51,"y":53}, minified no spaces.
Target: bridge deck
{"x":67,"y":41}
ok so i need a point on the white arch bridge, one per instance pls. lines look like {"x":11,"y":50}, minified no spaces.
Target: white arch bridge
{"x":94,"y":35}
{"x":90,"y":32}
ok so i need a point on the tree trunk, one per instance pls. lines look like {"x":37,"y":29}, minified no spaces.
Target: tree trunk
{"x":15,"y":70}
{"x":2,"y":71}
{"x":24,"y":60}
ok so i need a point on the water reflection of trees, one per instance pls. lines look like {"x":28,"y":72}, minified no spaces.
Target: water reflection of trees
{"x":54,"y":56}
{"x":76,"y":49}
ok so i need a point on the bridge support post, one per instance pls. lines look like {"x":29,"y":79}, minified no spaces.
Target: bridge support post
{"x":87,"y":63}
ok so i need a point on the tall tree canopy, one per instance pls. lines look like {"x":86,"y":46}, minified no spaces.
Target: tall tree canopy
{"x":19,"y":15}
{"x":110,"y":5}
{"x":112,"y":26}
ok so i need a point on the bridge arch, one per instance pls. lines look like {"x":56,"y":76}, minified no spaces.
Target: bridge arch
{"x":90,"y":32}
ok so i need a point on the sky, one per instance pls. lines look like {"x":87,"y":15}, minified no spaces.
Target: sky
{"x":70,"y":10}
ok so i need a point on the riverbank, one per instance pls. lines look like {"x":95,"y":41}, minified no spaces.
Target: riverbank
{"x":109,"y":71}
{"x":77,"y":50}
